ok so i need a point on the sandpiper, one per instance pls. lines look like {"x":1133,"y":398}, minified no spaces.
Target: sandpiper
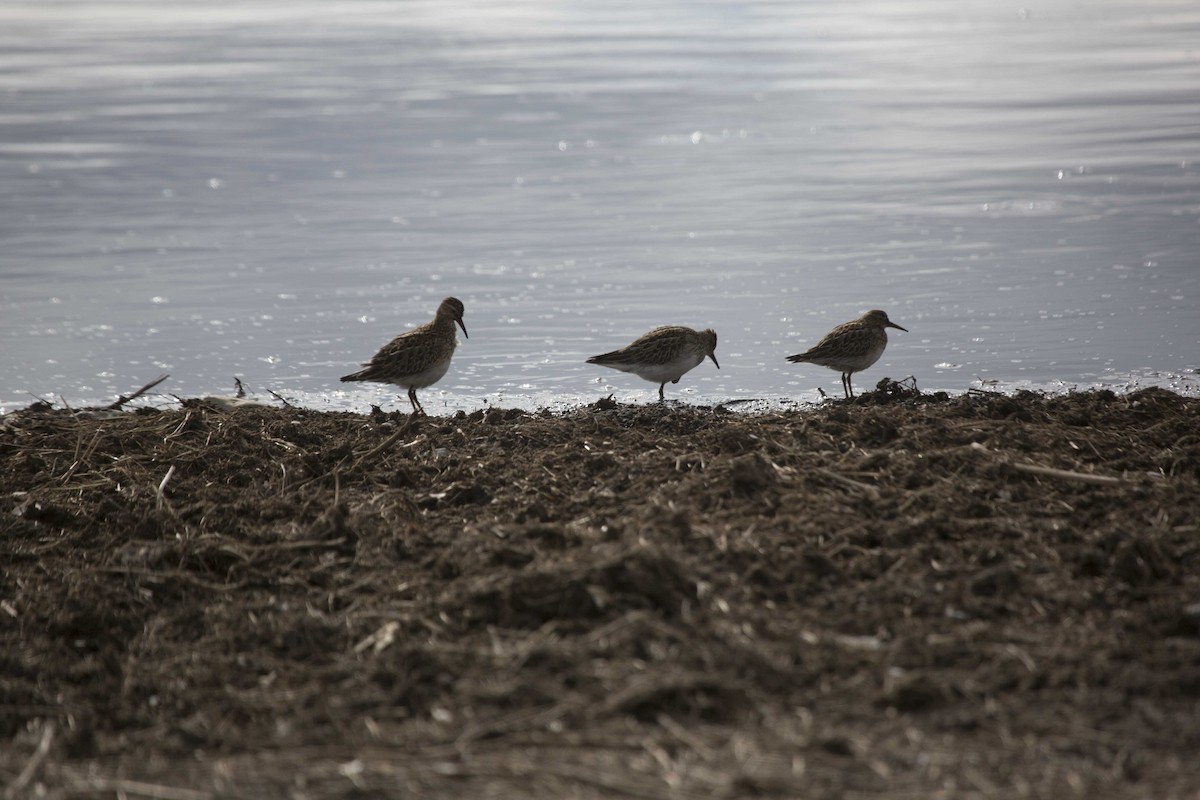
{"x":664,"y":354}
{"x":417,"y":358}
{"x":852,"y":346}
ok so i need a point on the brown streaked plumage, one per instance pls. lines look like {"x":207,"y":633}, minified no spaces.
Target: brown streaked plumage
{"x":664,"y":354}
{"x":852,"y":346}
{"x":417,"y":358}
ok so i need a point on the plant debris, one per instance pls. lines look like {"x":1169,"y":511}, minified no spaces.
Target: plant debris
{"x":902,"y":595}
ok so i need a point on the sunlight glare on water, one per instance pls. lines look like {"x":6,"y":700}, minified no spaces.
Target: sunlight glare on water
{"x":272,"y":191}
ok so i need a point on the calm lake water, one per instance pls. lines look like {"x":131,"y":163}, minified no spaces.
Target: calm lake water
{"x":272,"y":190}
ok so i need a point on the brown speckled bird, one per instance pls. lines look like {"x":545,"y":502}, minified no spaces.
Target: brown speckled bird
{"x":664,"y":354}
{"x":417,"y":358}
{"x":852,"y":346}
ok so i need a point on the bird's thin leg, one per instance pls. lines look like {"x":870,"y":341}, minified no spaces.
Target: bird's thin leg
{"x":846,"y":385}
{"x":416,"y":404}
{"x":661,"y":396}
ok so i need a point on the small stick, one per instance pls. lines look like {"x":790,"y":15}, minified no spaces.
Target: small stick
{"x":388,"y":442}
{"x":122,"y":400}
{"x":80,"y":458}
{"x":34,"y":762}
{"x":40,"y":399}
{"x":178,"y":575}
{"x":1051,"y":472}
{"x":280,"y":398}
{"x":178,"y":428}
{"x":142,"y":789}
{"x":1082,"y":477}
{"x":381,"y":639}
{"x":684,"y":735}
{"x":162,"y":485}
{"x":866,"y":488}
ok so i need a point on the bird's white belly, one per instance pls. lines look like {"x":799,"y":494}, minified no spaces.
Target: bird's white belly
{"x":669,"y":371}
{"x":870,"y":357}
{"x":426,"y":377}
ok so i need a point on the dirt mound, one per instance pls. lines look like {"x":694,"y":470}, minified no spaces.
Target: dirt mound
{"x":899,"y":595}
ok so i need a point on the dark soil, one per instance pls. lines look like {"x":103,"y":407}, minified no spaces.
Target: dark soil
{"x":867,"y":598}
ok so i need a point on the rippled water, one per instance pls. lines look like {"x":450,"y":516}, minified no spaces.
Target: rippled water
{"x":271,"y":191}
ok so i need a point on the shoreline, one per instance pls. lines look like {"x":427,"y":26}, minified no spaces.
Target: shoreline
{"x":1185,"y":382}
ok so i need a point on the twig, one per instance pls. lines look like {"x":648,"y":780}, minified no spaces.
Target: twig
{"x":643,"y":787}
{"x":142,"y":789}
{"x":183,"y":424}
{"x":380,"y":640}
{"x":280,"y":398}
{"x":1082,"y":477}
{"x":159,"y":499}
{"x":81,"y":456}
{"x":122,"y":400}
{"x":388,"y":442}
{"x":306,"y":544}
{"x":524,"y":719}
{"x":865,"y":488}
{"x":1051,"y":472}
{"x":34,"y":762}
{"x":687,"y":737}
{"x":39,"y":398}
{"x":175,"y":575}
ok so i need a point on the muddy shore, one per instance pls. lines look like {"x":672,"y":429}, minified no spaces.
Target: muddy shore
{"x":902,"y":596}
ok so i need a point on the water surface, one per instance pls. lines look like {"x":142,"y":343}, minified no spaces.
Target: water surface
{"x":271,"y":191}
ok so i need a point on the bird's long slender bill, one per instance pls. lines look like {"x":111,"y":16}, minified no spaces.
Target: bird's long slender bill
{"x":463,"y":325}
{"x":714,"y":360}
{"x":891,"y":324}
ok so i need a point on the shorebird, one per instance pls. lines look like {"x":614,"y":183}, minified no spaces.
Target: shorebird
{"x":417,"y":358}
{"x":664,"y":354}
{"x":852,"y":346}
